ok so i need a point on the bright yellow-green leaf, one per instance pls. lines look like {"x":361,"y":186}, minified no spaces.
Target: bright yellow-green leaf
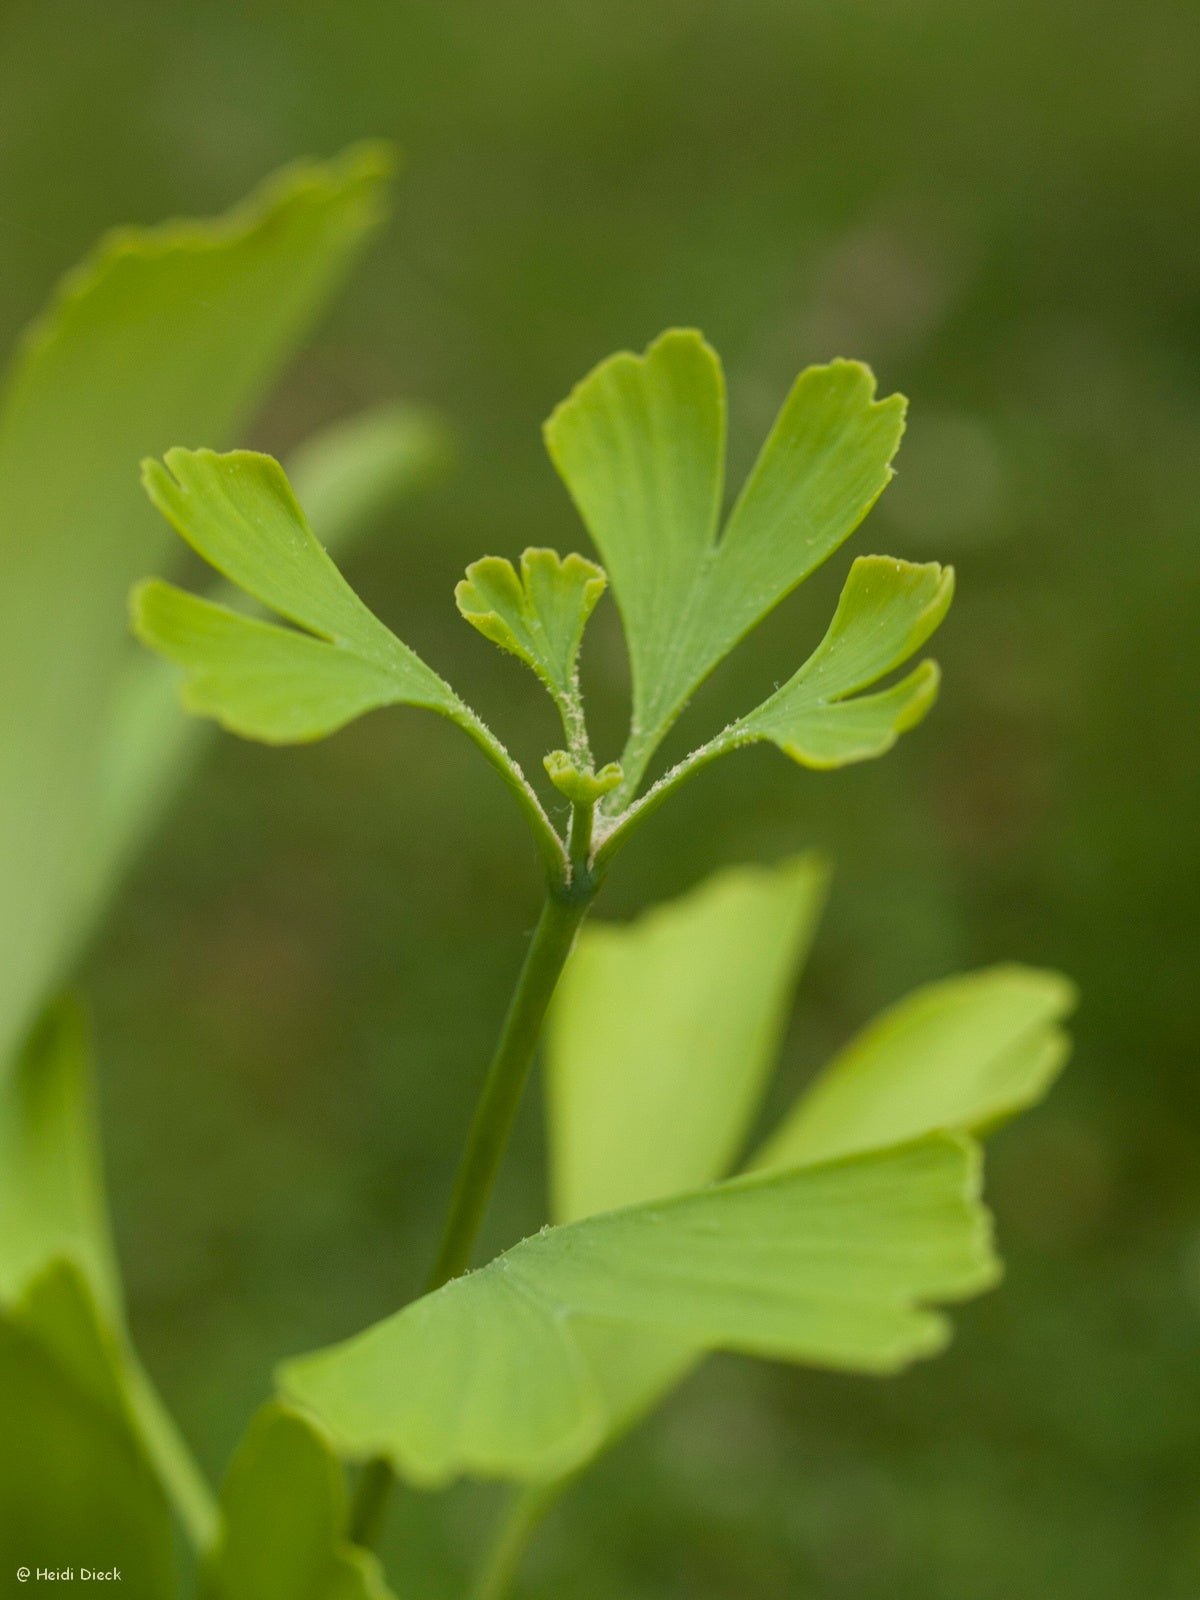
{"x":964,"y":1053}
{"x":285,"y":684}
{"x":887,"y":610}
{"x":640,"y":445}
{"x":347,"y":475}
{"x":836,"y":1265}
{"x":283,"y":1520}
{"x":238,"y":512}
{"x":663,"y":1034}
{"x":819,"y":717}
{"x":162,"y":334}
{"x":538,"y":614}
{"x":77,"y":1485}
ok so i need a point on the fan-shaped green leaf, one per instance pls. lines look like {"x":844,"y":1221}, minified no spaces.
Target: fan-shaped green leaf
{"x":262,"y":681}
{"x":162,"y":334}
{"x":276,"y":683}
{"x":346,"y":475}
{"x":283,"y":1520}
{"x":886,"y":611}
{"x":835,"y":1265}
{"x":663,"y":1033}
{"x":964,"y":1053}
{"x":640,"y":445}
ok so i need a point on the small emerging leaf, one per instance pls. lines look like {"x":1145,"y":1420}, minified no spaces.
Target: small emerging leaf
{"x":283,"y":1520}
{"x":490,"y":1375}
{"x":964,"y":1053}
{"x":581,"y":786}
{"x":538,"y":614}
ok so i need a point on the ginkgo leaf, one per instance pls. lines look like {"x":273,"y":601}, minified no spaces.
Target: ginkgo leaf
{"x":161,"y":334}
{"x":51,"y":1189}
{"x":346,"y":475}
{"x":886,"y":611}
{"x":53,"y":1221}
{"x":262,"y":681}
{"x":663,"y":1032}
{"x":577,"y":781}
{"x":77,"y":1484}
{"x":966,"y":1053}
{"x":238,"y":512}
{"x":836,"y":1265}
{"x":274,"y":683}
{"x":819,"y":717}
{"x":283,"y":1520}
{"x":640,"y":445}
{"x":537,"y":614}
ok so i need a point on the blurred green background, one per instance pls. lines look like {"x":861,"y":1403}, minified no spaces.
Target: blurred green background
{"x":993,"y":204}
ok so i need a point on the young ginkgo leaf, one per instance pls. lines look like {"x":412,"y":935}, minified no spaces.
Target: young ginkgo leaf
{"x":967,"y":1052}
{"x":836,"y":1265}
{"x":283,"y":1520}
{"x":344,"y":476}
{"x":640,"y":445}
{"x":273,"y":683}
{"x":537,"y":614}
{"x":887,"y":610}
{"x":819,"y":717}
{"x":577,"y":782}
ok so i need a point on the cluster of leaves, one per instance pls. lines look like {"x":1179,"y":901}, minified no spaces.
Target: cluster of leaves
{"x":640,"y":445}
{"x":861,"y":1214}
{"x":858,"y":1214}
{"x":836,"y":1242}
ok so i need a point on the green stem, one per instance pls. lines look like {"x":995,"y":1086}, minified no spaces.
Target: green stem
{"x":502,"y":1089}
{"x":564,"y":910}
{"x":579,"y":843}
{"x":614,"y":832}
{"x":520,"y":1523}
{"x":185,"y":1484}
{"x":549,"y":845}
